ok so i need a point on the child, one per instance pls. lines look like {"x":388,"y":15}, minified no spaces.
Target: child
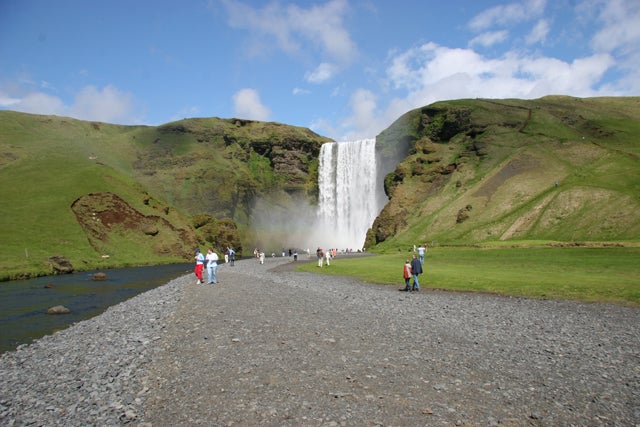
{"x":407,"y":276}
{"x":199,"y":266}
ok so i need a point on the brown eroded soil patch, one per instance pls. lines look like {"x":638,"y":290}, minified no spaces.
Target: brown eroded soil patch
{"x":107,"y":218}
{"x":511,"y":169}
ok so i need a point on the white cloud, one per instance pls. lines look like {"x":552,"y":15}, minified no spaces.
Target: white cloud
{"x":247,"y":105}
{"x":620,"y":26}
{"x":323,"y":25}
{"x":539,"y":32}
{"x":506,"y":15}
{"x":433,"y":72}
{"x":363,"y":114}
{"x":294,"y":29}
{"x":324,"y":72}
{"x":41,"y":103}
{"x":619,"y":35}
{"x":107,"y":105}
{"x":7,"y":101}
{"x":430,"y":73}
{"x":325,"y":127}
{"x":489,"y":38}
{"x":300,"y":91}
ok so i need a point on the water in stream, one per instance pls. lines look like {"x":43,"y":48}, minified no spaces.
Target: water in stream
{"x":23,"y":303}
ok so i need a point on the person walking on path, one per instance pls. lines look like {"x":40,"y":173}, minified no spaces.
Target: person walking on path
{"x":320,"y":256}
{"x":416,"y":268}
{"x":199,"y":266}
{"x":406,"y":273}
{"x":232,"y":256}
{"x":212,"y":266}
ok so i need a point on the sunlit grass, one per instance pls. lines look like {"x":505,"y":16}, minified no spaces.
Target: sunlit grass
{"x":583,"y":274}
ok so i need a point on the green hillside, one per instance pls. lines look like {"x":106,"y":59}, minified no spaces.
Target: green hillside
{"x":482,"y":171}
{"x":104,"y":195}
{"x":466,"y":172}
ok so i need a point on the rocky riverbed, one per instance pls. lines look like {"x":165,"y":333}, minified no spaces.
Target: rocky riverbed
{"x":268,"y":346}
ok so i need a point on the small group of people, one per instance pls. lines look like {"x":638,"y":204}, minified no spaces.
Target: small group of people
{"x":210,"y":261}
{"x":259,"y":255}
{"x":325,"y":255}
{"x":413,"y":268}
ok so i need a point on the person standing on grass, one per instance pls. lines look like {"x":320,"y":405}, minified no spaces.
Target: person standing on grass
{"x":212,"y":266}
{"x":406,"y":273}
{"x":422,"y":250}
{"x":320,"y":256}
{"x":416,"y":268}
{"x":199,"y":266}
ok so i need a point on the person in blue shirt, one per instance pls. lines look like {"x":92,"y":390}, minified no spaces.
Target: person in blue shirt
{"x":212,"y":266}
{"x":416,"y":268}
{"x":232,"y":256}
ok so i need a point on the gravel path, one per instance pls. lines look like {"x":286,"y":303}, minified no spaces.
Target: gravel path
{"x":271,"y":347}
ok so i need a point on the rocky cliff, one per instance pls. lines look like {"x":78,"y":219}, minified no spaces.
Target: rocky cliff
{"x":556,"y":168}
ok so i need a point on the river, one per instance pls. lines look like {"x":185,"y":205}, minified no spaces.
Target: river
{"x":23,"y":303}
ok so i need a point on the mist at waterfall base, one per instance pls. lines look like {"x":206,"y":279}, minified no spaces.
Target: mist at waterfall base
{"x":351,"y":195}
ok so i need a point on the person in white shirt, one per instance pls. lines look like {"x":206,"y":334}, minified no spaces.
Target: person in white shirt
{"x":422,"y":250}
{"x":212,"y":266}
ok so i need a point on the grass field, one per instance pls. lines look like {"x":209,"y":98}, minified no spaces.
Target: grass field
{"x":582,"y":274}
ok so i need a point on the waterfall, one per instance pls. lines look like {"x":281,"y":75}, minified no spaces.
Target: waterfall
{"x":349,"y":199}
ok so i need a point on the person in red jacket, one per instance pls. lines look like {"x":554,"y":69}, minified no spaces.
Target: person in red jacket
{"x":199,"y":266}
{"x":406,"y":271}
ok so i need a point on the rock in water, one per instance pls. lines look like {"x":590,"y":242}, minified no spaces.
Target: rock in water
{"x":99,"y":277}
{"x":60,"y":264}
{"x":58,"y":309}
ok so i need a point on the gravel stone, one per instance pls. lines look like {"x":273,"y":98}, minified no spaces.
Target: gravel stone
{"x":269,"y":346}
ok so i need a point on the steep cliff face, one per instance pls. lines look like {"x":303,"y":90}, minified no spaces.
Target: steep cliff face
{"x":482,"y":170}
{"x":222,"y":165}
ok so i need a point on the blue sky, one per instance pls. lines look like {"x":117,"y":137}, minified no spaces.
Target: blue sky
{"x":344,"y":68}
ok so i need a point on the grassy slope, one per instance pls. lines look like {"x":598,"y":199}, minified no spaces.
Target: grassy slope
{"x":196,"y":165}
{"x":582,"y":274}
{"x":47,"y":163}
{"x":590,"y":147}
